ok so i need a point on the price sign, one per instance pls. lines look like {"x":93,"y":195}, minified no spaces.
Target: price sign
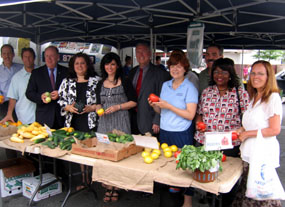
{"x":218,"y":140}
{"x":102,"y":138}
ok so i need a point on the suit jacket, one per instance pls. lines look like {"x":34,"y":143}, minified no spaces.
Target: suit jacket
{"x":39,"y":83}
{"x":152,"y":83}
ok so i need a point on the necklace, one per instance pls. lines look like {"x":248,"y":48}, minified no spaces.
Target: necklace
{"x":111,"y":81}
{"x":222,"y":89}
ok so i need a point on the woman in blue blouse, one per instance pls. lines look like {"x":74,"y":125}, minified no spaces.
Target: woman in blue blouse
{"x":177,"y":107}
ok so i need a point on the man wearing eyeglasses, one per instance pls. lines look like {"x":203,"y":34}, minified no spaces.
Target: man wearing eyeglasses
{"x":213,"y":53}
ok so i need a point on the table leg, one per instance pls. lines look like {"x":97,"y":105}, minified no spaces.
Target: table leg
{"x":69,"y":193}
{"x":40,"y":180}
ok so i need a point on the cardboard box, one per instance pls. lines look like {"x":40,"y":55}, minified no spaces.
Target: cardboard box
{"x":88,"y":148}
{"x":30,"y":184}
{"x":12,"y":173}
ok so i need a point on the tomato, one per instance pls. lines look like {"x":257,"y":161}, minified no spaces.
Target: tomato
{"x":177,"y":161}
{"x":224,"y":158}
{"x":234,"y":136}
{"x":177,"y":153}
{"x":201,"y":125}
{"x":153,"y":98}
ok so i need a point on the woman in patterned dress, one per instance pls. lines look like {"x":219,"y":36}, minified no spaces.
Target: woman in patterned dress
{"x":264,"y":113}
{"x":219,"y":108}
{"x":79,"y":86}
{"x":116,"y":95}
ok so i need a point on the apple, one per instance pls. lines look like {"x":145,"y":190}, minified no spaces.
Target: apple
{"x":48,"y":99}
{"x":47,"y":94}
{"x":100,"y":112}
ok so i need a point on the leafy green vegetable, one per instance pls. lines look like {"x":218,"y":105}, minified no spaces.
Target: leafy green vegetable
{"x":193,"y":158}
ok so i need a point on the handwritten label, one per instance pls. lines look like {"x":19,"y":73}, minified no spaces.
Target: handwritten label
{"x":145,"y":141}
{"x":48,"y":130}
{"x":218,"y":140}
{"x":102,"y":138}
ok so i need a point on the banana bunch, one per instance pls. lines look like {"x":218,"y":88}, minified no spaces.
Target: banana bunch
{"x":35,"y":132}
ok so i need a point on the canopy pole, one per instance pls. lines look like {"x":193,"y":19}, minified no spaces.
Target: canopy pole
{"x":242,"y":54}
{"x":151,"y":44}
{"x":154,"y":50}
{"x":38,"y":48}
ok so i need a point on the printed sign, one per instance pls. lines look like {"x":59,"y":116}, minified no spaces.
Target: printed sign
{"x":102,"y":138}
{"x":195,"y":38}
{"x":218,"y":140}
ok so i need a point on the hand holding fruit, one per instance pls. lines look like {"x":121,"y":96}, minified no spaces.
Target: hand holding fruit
{"x":201,"y":126}
{"x":46,"y":97}
{"x":100,"y":112}
{"x":112,"y":109}
{"x":54,"y":95}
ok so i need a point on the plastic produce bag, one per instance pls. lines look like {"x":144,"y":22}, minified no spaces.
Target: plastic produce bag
{"x":263,"y":182}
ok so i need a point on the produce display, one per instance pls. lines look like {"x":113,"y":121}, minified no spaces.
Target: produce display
{"x":64,"y":138}
{"x":150,"y":155}
{"x":35,"y":132}
{"x":193,"y":158}
{"x":9,"y":123}
{"x":124,"y":138}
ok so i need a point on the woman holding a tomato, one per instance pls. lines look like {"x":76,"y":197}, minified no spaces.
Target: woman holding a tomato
{"x":177,"y":107}
{"x":221,"y":104}
{"x":264,"y":113}
{"x":220,"y":108}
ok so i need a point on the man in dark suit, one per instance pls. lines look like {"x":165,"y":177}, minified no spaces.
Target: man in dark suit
{"x":47,"y":79}
{"x":146,"y":78}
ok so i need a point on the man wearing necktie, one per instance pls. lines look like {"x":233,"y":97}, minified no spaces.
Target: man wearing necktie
{"x":47,"y":79}
{"x":146,"y":78}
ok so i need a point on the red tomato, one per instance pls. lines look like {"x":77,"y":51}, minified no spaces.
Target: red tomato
{"x":201,"y":125}
{"x":224,"y":158}
{"x":153,"y":97}
{"x":234,"y":136}
{"x":177,"y":161}
{"x":177,"y":153}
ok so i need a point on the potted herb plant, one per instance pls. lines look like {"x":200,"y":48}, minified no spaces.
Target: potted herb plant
{"x":204,"y":164}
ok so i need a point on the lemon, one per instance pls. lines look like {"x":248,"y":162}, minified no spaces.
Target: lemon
{"x":167,"y":149}
{"x":154,"y":155}
{"x":147,"y":150}
{"x":173,"y":148}
{"x":145,"y":154}
{"x":163,"y":145}
{"x":167,"y":154}
{"x":157,"y":151}
{"x":148,"y":159}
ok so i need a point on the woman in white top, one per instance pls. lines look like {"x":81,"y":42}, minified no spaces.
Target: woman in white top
{"x":264,"y":113}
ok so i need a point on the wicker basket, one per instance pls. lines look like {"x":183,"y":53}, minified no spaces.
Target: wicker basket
{"x":205,"y":177}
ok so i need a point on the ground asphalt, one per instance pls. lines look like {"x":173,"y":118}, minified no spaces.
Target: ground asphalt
{"x":86,"y":198}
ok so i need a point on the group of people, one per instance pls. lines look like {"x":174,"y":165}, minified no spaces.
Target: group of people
{"x":217,"y":98}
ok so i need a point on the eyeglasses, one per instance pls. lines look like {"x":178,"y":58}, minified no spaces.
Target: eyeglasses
{"x":224,"y":73}
{"x":256,"y":74}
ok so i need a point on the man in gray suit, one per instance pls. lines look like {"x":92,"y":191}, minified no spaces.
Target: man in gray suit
{"x":146,"y":78}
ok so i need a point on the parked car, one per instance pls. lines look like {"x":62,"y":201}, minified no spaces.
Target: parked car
{"x":280,"y":77}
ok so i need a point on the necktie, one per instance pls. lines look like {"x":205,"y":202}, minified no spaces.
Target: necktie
{"x":52,"y":79}
{"x":139,"y":82}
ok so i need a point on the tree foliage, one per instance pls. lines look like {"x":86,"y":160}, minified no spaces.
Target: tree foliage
{"x":269,"y":54}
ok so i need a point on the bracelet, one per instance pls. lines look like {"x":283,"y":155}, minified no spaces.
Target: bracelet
{"x":120,"y":106}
